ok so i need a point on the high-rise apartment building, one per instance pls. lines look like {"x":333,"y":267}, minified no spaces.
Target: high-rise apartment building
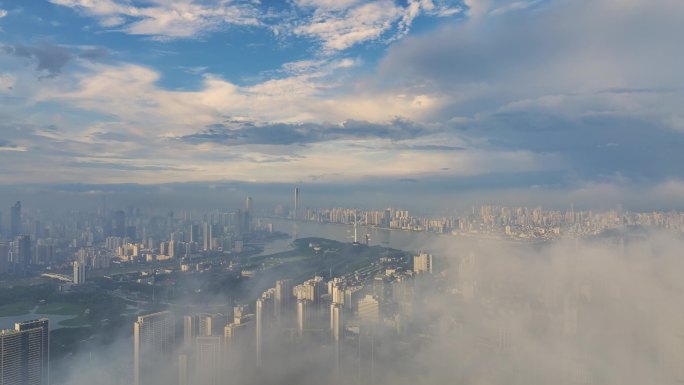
{"x":304,"y":315}
{"x":208,"y":360}
{"x":282,"y":301}
{"x":25,"y":354}
{"x":369,"y":309}
{"x":422,"y":263}
{"x":211,"y":324}
{"x":79,"y":273}
{"x":153,"y":345}
{"x":190,"y":330}
{"x":264,"y":323}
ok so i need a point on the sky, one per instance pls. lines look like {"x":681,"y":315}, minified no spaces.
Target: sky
{"x":577,"y":95}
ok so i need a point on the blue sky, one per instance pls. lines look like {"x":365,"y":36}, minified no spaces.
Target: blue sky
{"x":582,"y":94}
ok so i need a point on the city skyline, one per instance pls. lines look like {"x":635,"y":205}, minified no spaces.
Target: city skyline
{"x":328,"y":192}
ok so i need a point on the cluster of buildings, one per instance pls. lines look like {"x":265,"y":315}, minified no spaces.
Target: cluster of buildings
{"x":500,"y":221}
{"x":38,"y":242}
{"x":318,"y":317}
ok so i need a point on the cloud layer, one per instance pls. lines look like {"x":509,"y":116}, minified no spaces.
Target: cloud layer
{"x":568,"y":88}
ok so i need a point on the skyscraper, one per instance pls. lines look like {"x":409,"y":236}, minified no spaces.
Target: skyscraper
{"x":20,"y":251}
{"x":336,"y":322}
{"x":79,"y":273}
{"x":282,"y":300}
{"x":15,"y":220}
{"x":247,"y":218}
{"x":264,"y":322}
{"x":296,"y":204}
{"x":153,"y":344}
{"x":208,"y":236}
{"x":303,"y":316}
{"x":25,"y":354}
{"x":119,"y":224}
{"x":190,"y":329}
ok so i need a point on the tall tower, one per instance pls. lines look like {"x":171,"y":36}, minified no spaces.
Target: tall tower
{"x":247,"y":218}
{"x":336,"y":330}
{"x":282,"y":300}
{"x":296,"y":204}
{"x":264,"y":323}
{"x":15,"y":220}
{"x":79,"y":273}
{"x":21,"y":250}
{"x":303,"y":316}
{"x":119,"y":225}
{"x":25,"y":353}
{"x":207,"y":236}
{"x":190,"y":329}
{"x":153,"y":344}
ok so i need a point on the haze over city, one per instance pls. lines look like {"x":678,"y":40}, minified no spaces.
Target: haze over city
{"x":341,"y":192}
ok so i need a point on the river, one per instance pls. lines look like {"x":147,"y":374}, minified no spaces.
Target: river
{"x":397,"y":239}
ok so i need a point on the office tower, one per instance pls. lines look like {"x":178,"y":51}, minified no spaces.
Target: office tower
{"x":15,"y":220}
{"x":211,"y":324}
{"x":20,"y":251}
{"x":422,"y":263}
{"x":208,"y":360}
{"x":190,"y":330}
{"x":369,"y":309}
{"x":25,"y":354}
{"x":79,"y":273}
{"x":208,"y":229}
{"x":119,"y":224}
{"x":296,"y":204}
{"x":4,"y":258}
{"x":264,"y":322}
{"x":247,"y":217}
{"x":194,"y":233}
{"x":282,"y":301}
{"x":304,"y":316}
{"x":153,"y":344}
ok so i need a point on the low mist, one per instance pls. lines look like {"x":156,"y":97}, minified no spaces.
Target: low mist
{"x":602,"y":311}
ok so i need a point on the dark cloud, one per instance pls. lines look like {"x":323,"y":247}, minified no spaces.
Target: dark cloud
{"x":124,"y":166}
{"x":94,"y":54}
{"x":7,"y":144}
{"x":49,"y":59}
{"x":239,"y":133}
{"x":114,"y":136}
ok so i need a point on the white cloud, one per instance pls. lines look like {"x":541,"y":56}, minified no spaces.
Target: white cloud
{"x":166,"y":19}
{"x":341,"y":25}
{"x":7,"y":82}
{"x":3,"y":13}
